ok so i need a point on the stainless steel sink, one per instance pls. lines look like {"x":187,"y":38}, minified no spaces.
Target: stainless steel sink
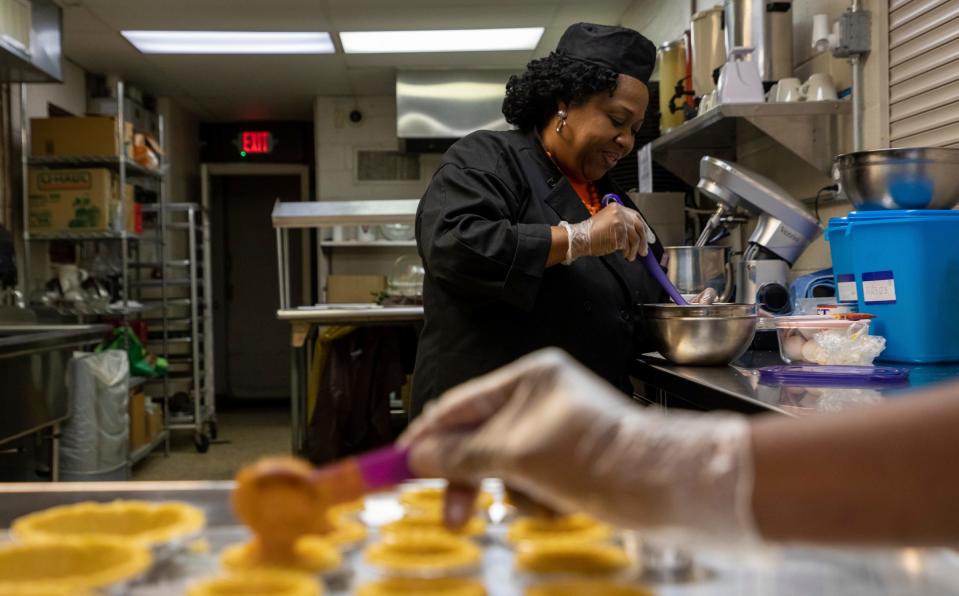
{"x":23,"y":339}
{"x":33,"y":367}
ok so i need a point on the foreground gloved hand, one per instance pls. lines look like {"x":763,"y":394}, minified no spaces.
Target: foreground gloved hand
{"x":562,"y":436}
{"x":614,"y":228}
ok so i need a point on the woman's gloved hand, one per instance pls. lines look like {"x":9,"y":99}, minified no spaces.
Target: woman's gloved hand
{"x":562,"y":436}
{"x":614,"y":228}
{"x":707,"y":296}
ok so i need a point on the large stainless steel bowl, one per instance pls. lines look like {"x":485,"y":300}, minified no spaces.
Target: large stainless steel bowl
{"x":701,"y":335}
{"x":914,"y":178}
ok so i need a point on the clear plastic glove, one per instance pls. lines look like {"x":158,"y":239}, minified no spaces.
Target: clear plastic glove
{"x":562,"y":436}
{"x":707,"y":296}
{"x":614,"y":228}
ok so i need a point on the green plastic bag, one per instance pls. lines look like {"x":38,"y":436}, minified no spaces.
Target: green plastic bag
{"x":125,"y":339}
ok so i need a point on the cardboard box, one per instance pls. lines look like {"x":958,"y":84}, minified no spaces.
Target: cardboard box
{"x":344,"y":289}
{"x":71,"y":136}
{"x":78,"y":200}
{"x":132,"y":211}
{"x":154,"y":420}
{"x":138,"y":421}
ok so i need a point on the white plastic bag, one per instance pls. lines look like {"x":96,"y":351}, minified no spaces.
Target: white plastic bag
{"x":851,"y":346}
{"x":96,"y":437}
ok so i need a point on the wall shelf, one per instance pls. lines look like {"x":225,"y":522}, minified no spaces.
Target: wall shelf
{"x":313,"y":214}
{"x":810,"y":130}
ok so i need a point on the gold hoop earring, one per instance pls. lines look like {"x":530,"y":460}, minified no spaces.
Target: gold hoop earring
{"x":562,"y":120}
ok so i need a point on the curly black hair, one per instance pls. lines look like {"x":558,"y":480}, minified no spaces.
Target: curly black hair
{"x":533,"y":97}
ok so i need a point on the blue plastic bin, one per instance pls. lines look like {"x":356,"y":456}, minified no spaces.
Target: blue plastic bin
{"x":903,"y":267}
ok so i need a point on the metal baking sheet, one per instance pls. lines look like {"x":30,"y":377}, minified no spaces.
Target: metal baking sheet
{"x":782,"y":572}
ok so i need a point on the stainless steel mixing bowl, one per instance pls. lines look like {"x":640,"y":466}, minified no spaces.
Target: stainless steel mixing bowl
{"x":913,"y":178}
{"x":701,"y":335}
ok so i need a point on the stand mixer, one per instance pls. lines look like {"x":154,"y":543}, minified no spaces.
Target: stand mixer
{"x":783,"y":231}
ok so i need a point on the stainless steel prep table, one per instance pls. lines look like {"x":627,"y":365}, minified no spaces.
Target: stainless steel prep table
{"x":783,"y":572}
{"x":306,"y":215}
{"x":303,"y":324}
{"x":33,"y":362}
{"x":736,"y":387}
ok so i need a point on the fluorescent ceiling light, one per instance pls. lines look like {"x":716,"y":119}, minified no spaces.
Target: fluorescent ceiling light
{"x":231,"y":42}
{"x":458,"y":40}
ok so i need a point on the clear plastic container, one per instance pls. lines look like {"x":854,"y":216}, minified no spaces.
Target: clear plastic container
{"x":801,"y":338}
{"x":406,"y":277}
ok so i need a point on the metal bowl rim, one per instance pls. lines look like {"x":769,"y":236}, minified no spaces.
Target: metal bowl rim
{"x":729,"y":318}
{"x":697,"y":248}
{"x":939,"y":154}
{"x":710,"y":311}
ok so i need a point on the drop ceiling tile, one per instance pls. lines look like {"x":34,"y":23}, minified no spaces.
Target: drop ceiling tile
{"x":225,"y":87}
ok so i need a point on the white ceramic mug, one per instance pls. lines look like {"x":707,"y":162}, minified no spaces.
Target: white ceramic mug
{"x":708,"y":102}
{"x":819,"y":87}
{"x":366,"y":233}
{"x":339,"y":234}
{"x":771,"y":94}
{"x":713,"y":99}
{"x":789,"y":90}
{"x":704,"y":104}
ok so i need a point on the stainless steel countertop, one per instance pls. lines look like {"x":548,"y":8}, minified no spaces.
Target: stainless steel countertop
{"x":352,"y":316}
{"x":739,"y":382}
{"x":17,"y":340}
{"x":771,"y":571}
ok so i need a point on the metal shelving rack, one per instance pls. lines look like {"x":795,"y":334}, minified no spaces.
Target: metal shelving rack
{"x":186,"y":338}
{"x":126,"y":169}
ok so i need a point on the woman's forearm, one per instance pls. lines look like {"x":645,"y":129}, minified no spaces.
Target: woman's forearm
{"x":882,"y":475}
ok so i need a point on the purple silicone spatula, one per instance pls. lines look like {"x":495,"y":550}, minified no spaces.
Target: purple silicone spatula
{"x":657,"y":272}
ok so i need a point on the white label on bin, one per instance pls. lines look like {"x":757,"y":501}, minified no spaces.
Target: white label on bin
{"x":846,"y":287}
{"x":879,"y":287}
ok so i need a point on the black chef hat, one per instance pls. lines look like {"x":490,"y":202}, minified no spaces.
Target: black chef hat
{"x":622,"y":50}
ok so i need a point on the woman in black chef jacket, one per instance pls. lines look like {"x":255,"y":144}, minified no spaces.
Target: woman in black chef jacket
{"x":523,"y":246}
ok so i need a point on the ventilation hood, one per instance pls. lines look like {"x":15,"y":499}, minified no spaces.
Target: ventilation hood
{"x":434,"y":108}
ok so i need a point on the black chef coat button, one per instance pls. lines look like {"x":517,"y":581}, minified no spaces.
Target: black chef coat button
{"x":551,"y":181}
{"x":624,"y":315}
{"x":588,"y":306}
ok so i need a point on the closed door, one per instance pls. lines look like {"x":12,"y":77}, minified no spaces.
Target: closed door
{"x":252,"y":345}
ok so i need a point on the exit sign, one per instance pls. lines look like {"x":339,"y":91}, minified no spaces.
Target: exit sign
{"x":255,"y":142}
{"x":264,"y":141}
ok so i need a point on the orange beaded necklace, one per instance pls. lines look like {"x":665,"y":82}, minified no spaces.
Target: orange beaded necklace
{"x":588,"y":194}
{"x":587,"y":191}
